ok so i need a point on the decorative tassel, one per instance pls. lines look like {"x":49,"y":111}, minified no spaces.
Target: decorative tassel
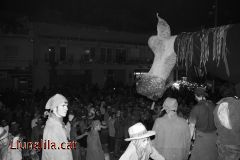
{"x":185,"y":47}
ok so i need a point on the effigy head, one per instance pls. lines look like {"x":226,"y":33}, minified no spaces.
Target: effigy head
{"x":227,"y":116}
{"x":153,"y":84}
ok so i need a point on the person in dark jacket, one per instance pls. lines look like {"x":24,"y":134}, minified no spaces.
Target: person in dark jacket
{"x":202,"y":120}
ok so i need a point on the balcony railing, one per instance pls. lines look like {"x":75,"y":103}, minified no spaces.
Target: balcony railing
{"x":93,"y":61}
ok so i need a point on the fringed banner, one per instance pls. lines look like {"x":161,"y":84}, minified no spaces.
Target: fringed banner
{"x":185,"y":47}
{"x":185,"y":50}
{"x":219,"y":45}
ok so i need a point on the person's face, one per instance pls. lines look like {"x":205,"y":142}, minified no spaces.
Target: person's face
{"x":40,"y":122}
{"x":118,"y":113}
{"x":98,"y":127}
{"x":144,"y":142}
{"x":97,"y":113}
{"x":70,"y":117}
{"x":198,"y":98}
{"x":4,"y":123}
{"x":62,"y":109}
{"x":3,"y":142}
{"x":36,"y":115}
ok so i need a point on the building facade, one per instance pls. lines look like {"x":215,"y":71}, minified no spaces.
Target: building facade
{"x":61,"y":55}
{"x":16,"y":62}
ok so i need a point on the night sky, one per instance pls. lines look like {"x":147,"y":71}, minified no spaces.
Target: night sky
{"x":124,"y":15}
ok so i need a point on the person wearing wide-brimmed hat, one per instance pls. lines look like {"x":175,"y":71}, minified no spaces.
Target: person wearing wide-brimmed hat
{"x":55,"y":131}
{"x":172,"y":138}
{"x":140,"y":147}
{"x":202,"y":121}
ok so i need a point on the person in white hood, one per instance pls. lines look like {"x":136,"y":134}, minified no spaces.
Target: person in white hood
{"x":55,"y":131}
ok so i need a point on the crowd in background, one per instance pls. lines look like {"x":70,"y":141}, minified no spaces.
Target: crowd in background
{"x":116,"y":108}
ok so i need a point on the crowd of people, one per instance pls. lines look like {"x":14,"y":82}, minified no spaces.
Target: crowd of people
{"x":113,"y":123}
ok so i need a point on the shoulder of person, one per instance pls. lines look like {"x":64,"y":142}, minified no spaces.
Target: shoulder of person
{"x":52,"y":127}
{"x":54,"y":130}
{"x":209,"y":102}
{"x":183,"y":121}
{"x":159,"y":120}
{"x":198,"y":105}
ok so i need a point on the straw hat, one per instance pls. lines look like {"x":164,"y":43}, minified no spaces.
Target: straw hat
{"x":139,"y":131}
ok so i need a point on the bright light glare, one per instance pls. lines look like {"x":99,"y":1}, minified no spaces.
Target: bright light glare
{"x":176,"y":85}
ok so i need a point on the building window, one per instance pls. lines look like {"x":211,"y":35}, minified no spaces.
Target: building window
{"x":92,"y":52}
{"x":121,"y":55}
{"x":51,"y":54}
{"x":103,"y":54}
{"x":11,"y":51}
{"x":106,"y":55}
{"x":63,"y":53}
{"x":88,"y":55}
{"x":109,"y":55}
